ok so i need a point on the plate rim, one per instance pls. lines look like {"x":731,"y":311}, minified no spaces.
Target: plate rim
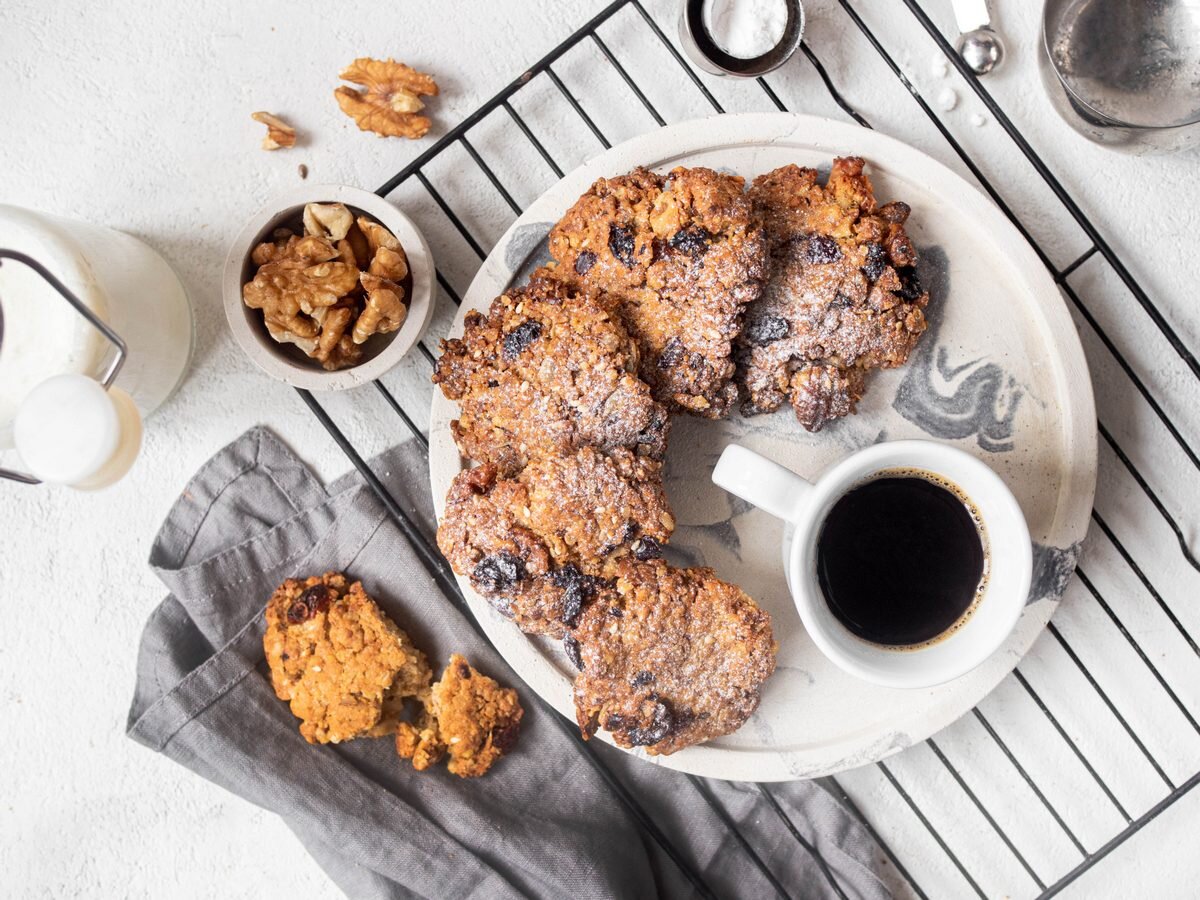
{"x":658,"y":149}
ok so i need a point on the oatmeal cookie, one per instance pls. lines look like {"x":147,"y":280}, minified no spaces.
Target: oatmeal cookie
{"x":843,"y":298}
{"x":341,"y":662}
{"x":547,"y":370}
{"x":467,"y":714}
{"x":671,"y":657}
{"x":534,"y":545}
{"x":684,"y":255}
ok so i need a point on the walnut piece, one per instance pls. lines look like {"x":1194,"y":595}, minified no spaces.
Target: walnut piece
{"x":360,"y":245}
{"x":389,"y":264}
{"x":384,"y":312}
{"x":387,"y":259}
{"x":335,"y":349}
{"x":390,"y":100}
{"x":279,"y":133}
{"x":273,"y":249}
{"x":377,"y":236}
{"x":331,"y":221}
{"x":328,"y":290}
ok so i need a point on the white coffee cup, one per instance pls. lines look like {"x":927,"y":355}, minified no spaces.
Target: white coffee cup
{"x":804,"y":504}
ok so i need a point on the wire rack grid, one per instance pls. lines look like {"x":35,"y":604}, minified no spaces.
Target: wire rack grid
{"x":1051,"y":782}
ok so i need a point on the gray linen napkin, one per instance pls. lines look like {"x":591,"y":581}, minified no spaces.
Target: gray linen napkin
{"x":542,"y":823}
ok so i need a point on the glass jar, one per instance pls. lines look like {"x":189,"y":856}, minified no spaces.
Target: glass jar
{"x":122,"y":281}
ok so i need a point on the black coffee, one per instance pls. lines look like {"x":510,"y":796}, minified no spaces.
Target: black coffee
{"x":900,"y":559}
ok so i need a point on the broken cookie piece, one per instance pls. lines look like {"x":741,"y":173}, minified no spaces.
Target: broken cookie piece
{"x":467,"y":715}
{"x":341,"y":663}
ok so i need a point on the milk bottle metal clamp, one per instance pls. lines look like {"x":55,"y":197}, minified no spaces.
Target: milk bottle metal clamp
{"x":110,"y":373}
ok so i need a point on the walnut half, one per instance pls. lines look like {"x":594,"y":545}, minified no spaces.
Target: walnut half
{"x":390,"y":100}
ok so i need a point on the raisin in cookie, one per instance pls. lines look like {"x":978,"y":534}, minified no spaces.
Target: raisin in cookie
{"x":670,"y":657}
{"x":546,"y":371}
{"x":684,"y":255}
{"x":843,"y":298}
{"x":534,"y":545}
{"x":468,"y":715}
{"x":343,"y":665}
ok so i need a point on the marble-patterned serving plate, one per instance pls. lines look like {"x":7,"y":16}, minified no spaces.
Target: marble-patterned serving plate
{"x":1000,"y":374}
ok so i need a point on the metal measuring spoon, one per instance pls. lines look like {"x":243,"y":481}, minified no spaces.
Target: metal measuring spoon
{"x":978,"y":45}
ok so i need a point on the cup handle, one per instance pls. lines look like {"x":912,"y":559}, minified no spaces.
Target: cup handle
{"x":761,"y":481}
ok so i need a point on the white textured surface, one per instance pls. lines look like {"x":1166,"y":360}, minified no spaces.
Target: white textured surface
{"x":137,"y":116}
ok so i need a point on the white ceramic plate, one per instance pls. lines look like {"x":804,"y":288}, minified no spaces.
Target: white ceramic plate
{"x":1000,"y":374}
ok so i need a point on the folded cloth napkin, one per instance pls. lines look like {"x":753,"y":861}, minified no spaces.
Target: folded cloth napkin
{"x":546,"y":821}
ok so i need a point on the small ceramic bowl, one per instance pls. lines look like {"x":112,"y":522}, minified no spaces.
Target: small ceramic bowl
{"x":381,"y":352}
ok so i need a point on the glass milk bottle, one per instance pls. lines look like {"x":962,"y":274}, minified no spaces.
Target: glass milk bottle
{"x":95,"y":333}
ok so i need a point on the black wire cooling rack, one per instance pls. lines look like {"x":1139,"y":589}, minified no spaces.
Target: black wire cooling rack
{"x":1098,"y":810}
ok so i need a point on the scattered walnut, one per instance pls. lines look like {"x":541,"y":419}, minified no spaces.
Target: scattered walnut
{"x":331,"y":221}
{"x":385,"y":310}
{"x":279,"y":132}
{"x":328,"y":290}
{"x":390,"y":101}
